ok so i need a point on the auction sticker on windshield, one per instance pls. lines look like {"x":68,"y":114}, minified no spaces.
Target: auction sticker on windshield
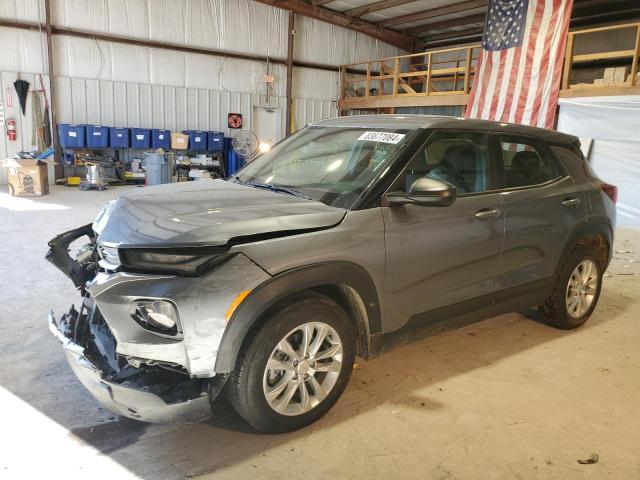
{"x":384,"y":137}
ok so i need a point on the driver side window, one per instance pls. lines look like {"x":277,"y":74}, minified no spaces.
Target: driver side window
{"x":460,"y":159}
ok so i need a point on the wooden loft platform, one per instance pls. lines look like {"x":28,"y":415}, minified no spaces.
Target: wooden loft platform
{"x":444,"y":77}
{"x":434,"y":78}
{"x":617,"y":70}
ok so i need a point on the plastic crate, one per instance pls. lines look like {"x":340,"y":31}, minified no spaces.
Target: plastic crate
{"x":119,"y":137}
{"x":97,"y":136}
{"x":160,"y":139}
{"x":71,"y":136}
{"x":215,"y":141}
{"x":197,"y":139}
{"x":140,"y":138}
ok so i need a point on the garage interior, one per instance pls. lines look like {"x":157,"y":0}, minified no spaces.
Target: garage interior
{"x":121,"y":94}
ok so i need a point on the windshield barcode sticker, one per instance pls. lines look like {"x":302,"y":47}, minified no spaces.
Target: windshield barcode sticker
{"x":384,"y":137}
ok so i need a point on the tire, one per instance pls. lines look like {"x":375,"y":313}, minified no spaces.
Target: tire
{"x":251,"y":381}
{"x":560,"y":310}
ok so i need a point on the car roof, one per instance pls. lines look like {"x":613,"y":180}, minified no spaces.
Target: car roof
{"x":412,"y":122}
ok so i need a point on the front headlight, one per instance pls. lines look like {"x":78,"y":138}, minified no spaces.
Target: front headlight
{"x":188,"y":261}
{"x":159,"y":316}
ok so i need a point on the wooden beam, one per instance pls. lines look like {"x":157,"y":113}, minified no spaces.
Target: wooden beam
{"x":434,"y":12}
{"x":374,"y":7}
{"x":386,"y":35}
{"x":634,"y":63}
{"x":598,"y":91}
{"x":290,"y":35}
{"x":568,"y":60}
{"x":320,"y":2}
{"x":447,"y":24}
{"x":417,"y":100}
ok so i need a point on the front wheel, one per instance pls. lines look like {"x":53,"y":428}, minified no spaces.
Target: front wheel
{"x":293,"y":368}
{"x":577,"y":290}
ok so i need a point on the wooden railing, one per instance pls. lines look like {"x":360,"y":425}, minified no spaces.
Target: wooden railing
{"x":616,"y":79}
{"x":444,"y":77}
{"x":415,"y":79}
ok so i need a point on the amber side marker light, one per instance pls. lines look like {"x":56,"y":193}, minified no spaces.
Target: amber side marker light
{"x":235,"y":304}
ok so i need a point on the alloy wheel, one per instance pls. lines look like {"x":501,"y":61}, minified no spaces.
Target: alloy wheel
{"x":303,"y":368}
{"x":582,"y":288}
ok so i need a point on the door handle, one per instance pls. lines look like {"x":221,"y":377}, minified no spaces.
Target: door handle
{"x":571,"y":202}
{"x":486,"y":213}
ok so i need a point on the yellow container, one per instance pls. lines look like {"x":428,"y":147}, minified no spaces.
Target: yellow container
{"x":73,"y":181}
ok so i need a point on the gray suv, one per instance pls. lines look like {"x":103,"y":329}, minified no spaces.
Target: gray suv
{"x":346,"y":238}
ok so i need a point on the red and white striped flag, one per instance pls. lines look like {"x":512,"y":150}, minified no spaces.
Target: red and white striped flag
{"x":517,"y":75}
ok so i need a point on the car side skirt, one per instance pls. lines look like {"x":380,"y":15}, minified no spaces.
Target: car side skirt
{"x":465,"y":313}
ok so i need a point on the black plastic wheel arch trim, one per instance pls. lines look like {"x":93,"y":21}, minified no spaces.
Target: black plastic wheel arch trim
{"x":289,"y":283}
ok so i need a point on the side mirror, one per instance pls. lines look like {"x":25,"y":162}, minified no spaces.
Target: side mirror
{"x":424,"y":191}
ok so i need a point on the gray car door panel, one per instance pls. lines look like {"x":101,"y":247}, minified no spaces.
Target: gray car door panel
{"x":437,"y":257}
{"x":444,"y":259}
{"x":539,"y":223}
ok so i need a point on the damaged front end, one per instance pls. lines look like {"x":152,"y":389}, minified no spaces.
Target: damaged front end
{"x":150,"y":393}
{"x":135,"y":388}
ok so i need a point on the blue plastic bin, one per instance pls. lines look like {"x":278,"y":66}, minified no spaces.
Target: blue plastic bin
{"x":97,"y":136}
{"x":197,"y":139}
{"x":119,"y":137}
{"x":140,"y":138}
{"x":160,"y":139}
{"x":71,"y":136}
{"x":215,"y":141}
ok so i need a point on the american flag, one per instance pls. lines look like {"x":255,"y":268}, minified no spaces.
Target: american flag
{"x":517,"y":75}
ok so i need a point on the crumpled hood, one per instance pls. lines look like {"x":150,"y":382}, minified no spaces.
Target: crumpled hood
{"x":207,"y":213}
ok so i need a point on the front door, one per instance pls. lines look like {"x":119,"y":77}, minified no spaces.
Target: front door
{"x":440,"y":257}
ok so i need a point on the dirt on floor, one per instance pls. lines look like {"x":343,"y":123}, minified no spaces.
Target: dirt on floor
{"x":507,"y":398}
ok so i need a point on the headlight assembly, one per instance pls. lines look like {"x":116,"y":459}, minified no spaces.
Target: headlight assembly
{"x":187,"y":261}
{"x":159,"y":316}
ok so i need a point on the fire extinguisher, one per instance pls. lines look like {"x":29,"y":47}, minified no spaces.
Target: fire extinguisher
{"x":11,"y":130}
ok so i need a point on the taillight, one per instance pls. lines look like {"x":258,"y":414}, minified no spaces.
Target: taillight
{"x":611,"y":191}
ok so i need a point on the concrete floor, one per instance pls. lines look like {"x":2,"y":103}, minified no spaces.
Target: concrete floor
{"x":507,"y":398}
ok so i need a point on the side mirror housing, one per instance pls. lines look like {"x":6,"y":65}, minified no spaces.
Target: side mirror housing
{"x":424,"y":191}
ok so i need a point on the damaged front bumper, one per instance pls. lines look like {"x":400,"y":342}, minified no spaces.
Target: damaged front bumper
{"x":131,"y":369}
{"x":127,"y":390}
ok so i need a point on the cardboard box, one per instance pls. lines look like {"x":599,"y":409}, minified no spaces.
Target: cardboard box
{"x":27,"y":177}
{"x":179,"y":141}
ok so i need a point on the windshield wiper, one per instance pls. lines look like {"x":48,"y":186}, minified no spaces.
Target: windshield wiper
{"x":279,"y":188}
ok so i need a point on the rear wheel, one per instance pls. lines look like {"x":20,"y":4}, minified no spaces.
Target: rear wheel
{"x":294,"y":368}
{"x":577,"y":290}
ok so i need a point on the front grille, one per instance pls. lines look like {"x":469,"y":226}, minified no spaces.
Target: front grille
{"x":109,"y":258}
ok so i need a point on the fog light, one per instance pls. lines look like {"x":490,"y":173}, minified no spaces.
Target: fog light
{"x":159,"y":316}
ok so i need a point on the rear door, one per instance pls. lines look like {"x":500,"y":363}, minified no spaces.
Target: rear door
{"x":441,"y":261}
{"x":542,"y":205}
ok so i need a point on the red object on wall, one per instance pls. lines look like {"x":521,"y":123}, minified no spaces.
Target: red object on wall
{"x":11,"y":130}
{"x":234,"y":120}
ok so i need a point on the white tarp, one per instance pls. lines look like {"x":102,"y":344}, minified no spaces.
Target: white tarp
{"x":613,"y":122}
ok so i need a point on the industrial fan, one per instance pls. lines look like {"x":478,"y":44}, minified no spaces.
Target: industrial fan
{"x":245,"y":144}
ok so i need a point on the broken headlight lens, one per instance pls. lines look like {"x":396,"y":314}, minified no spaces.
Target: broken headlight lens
{"x":190,"y":261}
{"x":159,"y":316}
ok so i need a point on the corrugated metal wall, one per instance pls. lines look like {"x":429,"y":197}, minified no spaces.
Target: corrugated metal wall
{"x":114,"y":84}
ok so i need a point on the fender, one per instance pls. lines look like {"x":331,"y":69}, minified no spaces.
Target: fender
{"x":286,"y":284}
{"x":600,"y":225}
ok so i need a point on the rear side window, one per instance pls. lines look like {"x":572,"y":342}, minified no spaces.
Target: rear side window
{"x":525,"y":163}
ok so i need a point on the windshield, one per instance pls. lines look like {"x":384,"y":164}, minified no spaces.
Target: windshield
{"x":332,"y":165}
